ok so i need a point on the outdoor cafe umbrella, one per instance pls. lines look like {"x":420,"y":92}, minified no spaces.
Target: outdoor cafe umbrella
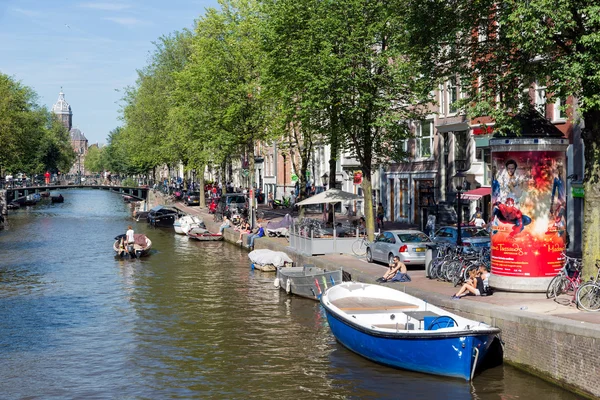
{"x":330,"y":196}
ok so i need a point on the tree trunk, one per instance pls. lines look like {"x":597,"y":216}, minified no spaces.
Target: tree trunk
{"x":591,"y":233}
{"x":201,"y":183}
{"x":251,"y":188}
{"x":367,"y":188}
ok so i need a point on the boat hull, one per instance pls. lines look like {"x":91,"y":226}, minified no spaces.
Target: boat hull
{"x":307,"y":281}
{"x":372,"y":332}
{"x":210,"y":237}
{"x":132,"y":251}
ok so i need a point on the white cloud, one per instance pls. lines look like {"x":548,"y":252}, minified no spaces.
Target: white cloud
{"x":29,"y":13}
{"x":105,"y":6}
{"x":126,"y":21}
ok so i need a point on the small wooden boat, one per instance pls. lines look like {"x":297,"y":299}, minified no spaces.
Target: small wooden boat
{"x":399,"y":330}
{"x":183,"y":225}
{"x":45,"y":194}
{"x":307,"y":281}
{"x":268,"y":260}
{"x":57,"y":199}
{"x":140,"y":248}
{"x":203,"y":235}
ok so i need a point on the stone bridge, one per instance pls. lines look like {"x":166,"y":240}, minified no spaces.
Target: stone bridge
{"x":18,"y":194}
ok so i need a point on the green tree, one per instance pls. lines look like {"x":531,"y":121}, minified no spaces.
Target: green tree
{"x":348,"y":72}
{"x":219,"y":91}
{"x":499,"y":48}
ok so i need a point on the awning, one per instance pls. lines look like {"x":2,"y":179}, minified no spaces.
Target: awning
{"x":476,"y":194}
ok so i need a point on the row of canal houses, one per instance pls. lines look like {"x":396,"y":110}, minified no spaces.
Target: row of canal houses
{"x":442,"y":144}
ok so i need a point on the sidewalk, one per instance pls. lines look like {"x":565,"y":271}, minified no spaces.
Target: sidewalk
{"x":366,"y":272}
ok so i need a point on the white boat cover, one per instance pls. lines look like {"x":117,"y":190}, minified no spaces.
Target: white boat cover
{"x":266,"y":256}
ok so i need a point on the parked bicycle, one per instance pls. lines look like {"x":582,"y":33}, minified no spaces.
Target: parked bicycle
{"x":359,"y":247}
{"x":568,"y":279}
{"x":588,"y":294}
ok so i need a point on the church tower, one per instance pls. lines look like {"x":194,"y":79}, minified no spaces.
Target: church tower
{"x":62,"y":109}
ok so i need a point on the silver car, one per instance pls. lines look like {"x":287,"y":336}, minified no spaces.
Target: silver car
{"x":409,"y":246}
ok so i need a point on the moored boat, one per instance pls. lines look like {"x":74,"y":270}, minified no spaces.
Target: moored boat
{"x":163,"y":216}
{"x":57,"y":199}
{"x":204,"y":235}
{"x":140,"y":248}
{"x":308,"y":281}
{"x":396,"y":329}
{"x":183,"y":224}
{"x":269,"y":260}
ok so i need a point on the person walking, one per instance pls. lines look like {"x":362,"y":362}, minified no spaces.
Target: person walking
{"x":380,"y":214}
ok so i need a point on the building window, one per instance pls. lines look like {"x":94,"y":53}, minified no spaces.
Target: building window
{"x":452,"y":95}
{"x":442,"y":100}
{"x":559,"y":112}
{"x":424,"y":138}
{"x":461,"y":141}
{"x":404,"y":197}
{"x":540,"y":99}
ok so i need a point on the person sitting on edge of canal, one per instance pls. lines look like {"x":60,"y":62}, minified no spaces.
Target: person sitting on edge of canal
{"x":260,"y":232}
{"x":476,"y":285}
{"x":226,"y":224}
{"x":244,"y":229}
{"x":397,"y":272}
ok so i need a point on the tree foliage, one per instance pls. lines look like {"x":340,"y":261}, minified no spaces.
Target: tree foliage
{"x":32,"y":140}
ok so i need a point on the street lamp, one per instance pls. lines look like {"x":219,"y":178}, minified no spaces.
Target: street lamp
{"x":325,"y":179}
{"x":459,"y":181}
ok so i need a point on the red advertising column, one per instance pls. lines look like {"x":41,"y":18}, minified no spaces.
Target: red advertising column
{"x":528,"y":215}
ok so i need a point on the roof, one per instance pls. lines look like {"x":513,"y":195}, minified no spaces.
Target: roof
{"x":61,"y":106}
{"x":76,"y":134}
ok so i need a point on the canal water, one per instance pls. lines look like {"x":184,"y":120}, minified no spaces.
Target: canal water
{"x":189,"y":321}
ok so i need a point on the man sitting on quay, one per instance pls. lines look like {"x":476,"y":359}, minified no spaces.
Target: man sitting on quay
{"x":259,"y":233}
{"x":397,"y":272}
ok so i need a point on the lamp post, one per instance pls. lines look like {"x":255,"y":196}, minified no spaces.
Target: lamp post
{"x":325,"y":179}
{"x":459,"y":181}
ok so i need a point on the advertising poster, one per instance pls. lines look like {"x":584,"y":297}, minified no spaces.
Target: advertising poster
{"x":528,"y":216}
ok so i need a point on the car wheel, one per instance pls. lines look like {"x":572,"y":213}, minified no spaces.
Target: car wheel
{"x":369,"y":256}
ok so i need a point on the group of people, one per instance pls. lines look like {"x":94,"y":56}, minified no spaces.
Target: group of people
{"x":476,"y":285}
{"x":127,"y":240}
{"x":246,"y":229}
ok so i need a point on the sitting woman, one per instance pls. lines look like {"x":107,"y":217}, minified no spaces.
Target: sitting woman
{"x":475,"y":285}
{"x":226,"y":224}
{"x":244,"y":229}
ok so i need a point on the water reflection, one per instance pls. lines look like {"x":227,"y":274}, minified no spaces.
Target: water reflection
{"x":189,"y":321}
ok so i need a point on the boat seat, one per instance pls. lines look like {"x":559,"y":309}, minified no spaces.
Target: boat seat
{"x":399,"y":327}
{"x":372,"y":305}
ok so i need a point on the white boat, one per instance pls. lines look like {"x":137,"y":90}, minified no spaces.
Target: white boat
{"x":269,"y":260}
{"x":308,"y":281}
{"x":183,"y":225}
{"x":393,"y":328}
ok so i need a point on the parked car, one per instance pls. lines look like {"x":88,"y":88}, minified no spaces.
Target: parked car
{"x":231,"y":203}
{"x":410,"y":246}
{"x":192,"y":199}
{"x":472,"y":237}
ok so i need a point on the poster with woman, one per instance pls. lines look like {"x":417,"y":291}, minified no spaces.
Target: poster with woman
{"x":528,"y":229}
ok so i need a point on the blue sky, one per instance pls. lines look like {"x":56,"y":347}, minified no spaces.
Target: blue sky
{"x":89,"y":48}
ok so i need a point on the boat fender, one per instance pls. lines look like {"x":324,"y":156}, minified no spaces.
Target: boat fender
{"x":252,"y":267}
{"x":318,"y":286}
{"x":276,"y":283}
{"x":325,"y":283}
{"x":288,"y":286}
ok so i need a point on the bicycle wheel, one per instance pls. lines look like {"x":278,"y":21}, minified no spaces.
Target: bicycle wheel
{"x":551,"y":290}
{"x":359,"y":247}
{"x":452,"y":269}
{"x":588,"y":297}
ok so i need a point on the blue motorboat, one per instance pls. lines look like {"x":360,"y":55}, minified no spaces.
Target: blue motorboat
{"x":396,"y":329}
